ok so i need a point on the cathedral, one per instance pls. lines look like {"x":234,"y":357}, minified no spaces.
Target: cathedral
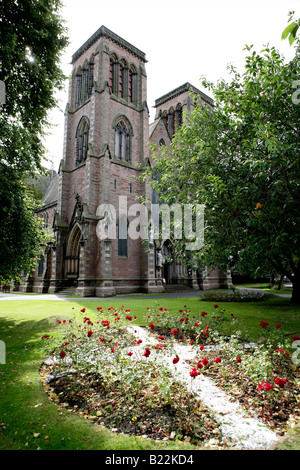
{"x":105,"y":151}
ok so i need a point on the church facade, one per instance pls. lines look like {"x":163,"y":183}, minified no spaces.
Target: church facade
{"x":106,"y":149}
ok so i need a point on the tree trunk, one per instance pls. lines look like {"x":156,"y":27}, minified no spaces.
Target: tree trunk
{"x":272,"y":280}
{"x":280,"y":281}
{"x":296,"y":289}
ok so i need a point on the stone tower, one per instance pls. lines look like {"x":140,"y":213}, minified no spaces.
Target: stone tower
{"x":106,"y":141}
{"x":106,"y":149}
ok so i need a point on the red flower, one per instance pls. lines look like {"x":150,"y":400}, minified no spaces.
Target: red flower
{"x":139,"y":341}
{"x":82,"y":310}
{"x":204,"y":361}
{"x":45,"y":337}
{"x":192,"y":342}
{"x":62,"y":354}
{"x":90,"y":333}
{"x":238,"y":359}
{"x":99,"y":308}
{"x":280,"y":382}
{"x":295,"y":338}
{"x":161,"y":337}
{"x":130,"y":353}
{"x":128,"y":317}
{"x":216,"y":306}
{"x":151,"y":326}
{"x":181,"y":320}
{"x":201,"y":348}
{"x":174,"y":332}
{"x":203,"y":314}
{"x":217,"y":360}
{"x":265,"y":385}
{"x":196,"y":324}
{"x":264,"y":324}
{"x":147,"y":352}
{"x":199,"y":365}
{"x":278,"y":325}
{"x":175,"y":360}
{"x":194,"y":373}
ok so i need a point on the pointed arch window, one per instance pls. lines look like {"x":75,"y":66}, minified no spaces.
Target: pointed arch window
{"x":78,"y":88}
{"x":171,"y":122}
{"x":132,"y":84}
{"x":124,"y":80}
{"x":82,"y":140}
{"x":123,"y":135}
{"x":84,"y":82}
{"x":114,"y":74}
{"x":178,"y":116}
{"x":41,"y":266}
{"x":85,"y":76}
{"x":91,"y":67}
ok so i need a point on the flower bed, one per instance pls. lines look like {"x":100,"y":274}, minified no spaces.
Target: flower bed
{"x":236,"y":295}
{"x":100,"y":370}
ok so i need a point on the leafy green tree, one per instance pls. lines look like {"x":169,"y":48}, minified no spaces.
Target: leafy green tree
{"x":22,"y":234}
{"x":32,"y":36}
{"x":241,"y":159}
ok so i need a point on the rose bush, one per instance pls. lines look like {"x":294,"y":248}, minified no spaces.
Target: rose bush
{"x":106,"y":347}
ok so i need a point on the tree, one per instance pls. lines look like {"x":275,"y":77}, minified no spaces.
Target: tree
{"x":22,"y":234}
{"x":32,"y":36}
{"x":241,"y":159}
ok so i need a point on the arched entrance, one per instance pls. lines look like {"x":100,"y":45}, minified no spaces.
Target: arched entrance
{"x":71,"y":260}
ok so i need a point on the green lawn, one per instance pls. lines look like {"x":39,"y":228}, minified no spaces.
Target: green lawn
{"x":267,"y":288}
{"x":28,"y":420}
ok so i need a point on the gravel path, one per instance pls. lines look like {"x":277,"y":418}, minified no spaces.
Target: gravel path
{"x":244,"y":431}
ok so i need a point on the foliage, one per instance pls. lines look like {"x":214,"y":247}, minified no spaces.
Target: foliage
{"x":21,"y":232}
{"x":32,"y":38}
{"x":239,"y":158}
{"x":291,"y":30}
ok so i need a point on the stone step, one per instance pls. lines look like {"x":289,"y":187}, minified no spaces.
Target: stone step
{"x":67,"y":291}
{"x":177,"y":287}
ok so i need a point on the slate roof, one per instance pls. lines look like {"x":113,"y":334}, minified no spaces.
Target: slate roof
{"x":51,"y":194}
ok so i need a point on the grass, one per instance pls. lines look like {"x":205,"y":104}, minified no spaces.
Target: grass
{"x":267,"y":288}
{"x":28,"y":420}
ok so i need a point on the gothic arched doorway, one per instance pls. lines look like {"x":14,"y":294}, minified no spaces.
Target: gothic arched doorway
{"x":71,"y":260}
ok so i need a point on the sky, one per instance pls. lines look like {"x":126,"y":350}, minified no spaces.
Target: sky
{"x":183,"y":40}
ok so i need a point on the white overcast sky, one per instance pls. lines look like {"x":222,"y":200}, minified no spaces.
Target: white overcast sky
{"x":182,"y":39}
